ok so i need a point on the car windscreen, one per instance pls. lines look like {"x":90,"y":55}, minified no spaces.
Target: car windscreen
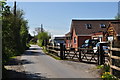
{"x":87,"y":41}
{"x":94,"y":42}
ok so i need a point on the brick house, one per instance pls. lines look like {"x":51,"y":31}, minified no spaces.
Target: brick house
{"x":83,"y":29}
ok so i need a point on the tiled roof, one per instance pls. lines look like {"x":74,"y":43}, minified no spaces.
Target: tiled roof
{"x":68,"y":34}
{"x":116,"y":26}
{"x":80,"y":28}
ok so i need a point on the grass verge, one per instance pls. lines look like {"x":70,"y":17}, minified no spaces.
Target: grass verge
{"x":54,"y":56}
{"x":13,"y":57}
{"x":50,"y":54}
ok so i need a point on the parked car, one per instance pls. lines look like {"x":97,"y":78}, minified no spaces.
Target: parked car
{"x":53,"y":42}
{"x":57,"y":42}
{"x":105,"y":47}
{"x":90,"y":43}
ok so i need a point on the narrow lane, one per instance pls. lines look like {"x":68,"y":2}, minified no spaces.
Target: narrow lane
{"x":37,"y":63}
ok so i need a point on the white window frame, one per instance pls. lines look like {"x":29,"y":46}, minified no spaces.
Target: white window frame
{"x":101,"y":26}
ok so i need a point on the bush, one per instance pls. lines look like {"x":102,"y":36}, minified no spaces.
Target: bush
{"x":106,"y":68}
{"x":32,"y":42}
{"x":108,"y":76}
{"x":106,"y":73}
{"x":43,"y":38}
{"x":40,"y":43}
{"x":27,"y":46}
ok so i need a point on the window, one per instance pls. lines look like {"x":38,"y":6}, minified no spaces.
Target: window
{"x":86,"y":41}
{"x":88,"y":26}
{"x":102,"y":25}
{"x":74,"y":39}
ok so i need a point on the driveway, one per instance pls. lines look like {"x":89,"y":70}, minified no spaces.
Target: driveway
{"x":37,"y":64}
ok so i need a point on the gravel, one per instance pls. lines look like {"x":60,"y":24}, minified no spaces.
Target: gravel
{"x":15,"y":69}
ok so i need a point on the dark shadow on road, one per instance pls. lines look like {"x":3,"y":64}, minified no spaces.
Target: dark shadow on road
{"x":35,"y":48}
{"x":34,"y":53}
{"x":89,"y":62}
{"x":13,"y":75}
{"x":76,"y":60}
{"x":24,"y":61}
{"x":17,"y":62}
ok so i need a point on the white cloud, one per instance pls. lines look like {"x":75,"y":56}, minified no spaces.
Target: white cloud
{"x":51,"y":31}
{"x":56,"y":31}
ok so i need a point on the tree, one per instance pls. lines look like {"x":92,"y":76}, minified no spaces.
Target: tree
{"x":39,"y":29}
{"x":24,"y":33}
{"x":43,"y":38}
{"x":14,"y":32}
{"x":117,"y":17}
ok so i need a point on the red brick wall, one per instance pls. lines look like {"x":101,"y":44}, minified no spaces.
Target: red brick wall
{"x":81,"y":40}
{"x":74,"y":45}
{"x":67,"y":43}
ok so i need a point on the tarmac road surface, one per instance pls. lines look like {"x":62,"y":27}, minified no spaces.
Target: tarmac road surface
{"x":37,"y":64}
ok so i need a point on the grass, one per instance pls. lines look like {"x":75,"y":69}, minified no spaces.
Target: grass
{"x":28,"y":45}
{"x":52,"y":55}
{"x":100,"y":66}
{"x":13,"y":57}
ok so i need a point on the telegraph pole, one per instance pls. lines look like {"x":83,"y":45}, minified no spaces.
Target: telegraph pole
{"x":41,"y":27}
{"x":15,"y":8}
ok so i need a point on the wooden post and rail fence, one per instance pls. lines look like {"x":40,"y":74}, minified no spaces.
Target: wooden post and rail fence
{"x":114,"y":60}
{"x":81,"y":54}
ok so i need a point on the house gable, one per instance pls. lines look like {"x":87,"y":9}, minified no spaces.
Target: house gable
{"x":110,"y":30}
{"x":113,"y":30}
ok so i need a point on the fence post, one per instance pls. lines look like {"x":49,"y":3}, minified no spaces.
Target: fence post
{"x":79,"y":54}
{"x":64,"y":48}
{"x":110,"y":57}
{"x":45,"y":42}
{"x":48,"y":48}
{"x":61,"y":51}
{"x":98,"y":62}
{"x":101,"y":54}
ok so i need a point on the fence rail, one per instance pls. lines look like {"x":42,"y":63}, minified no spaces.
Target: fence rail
{"x":53,"y":49}
{"x":112,"y":57}
{"x":81,"y":54}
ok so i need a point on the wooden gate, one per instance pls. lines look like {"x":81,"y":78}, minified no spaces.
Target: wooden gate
{"x":88,"y":55}
{"x":82,"y":54}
